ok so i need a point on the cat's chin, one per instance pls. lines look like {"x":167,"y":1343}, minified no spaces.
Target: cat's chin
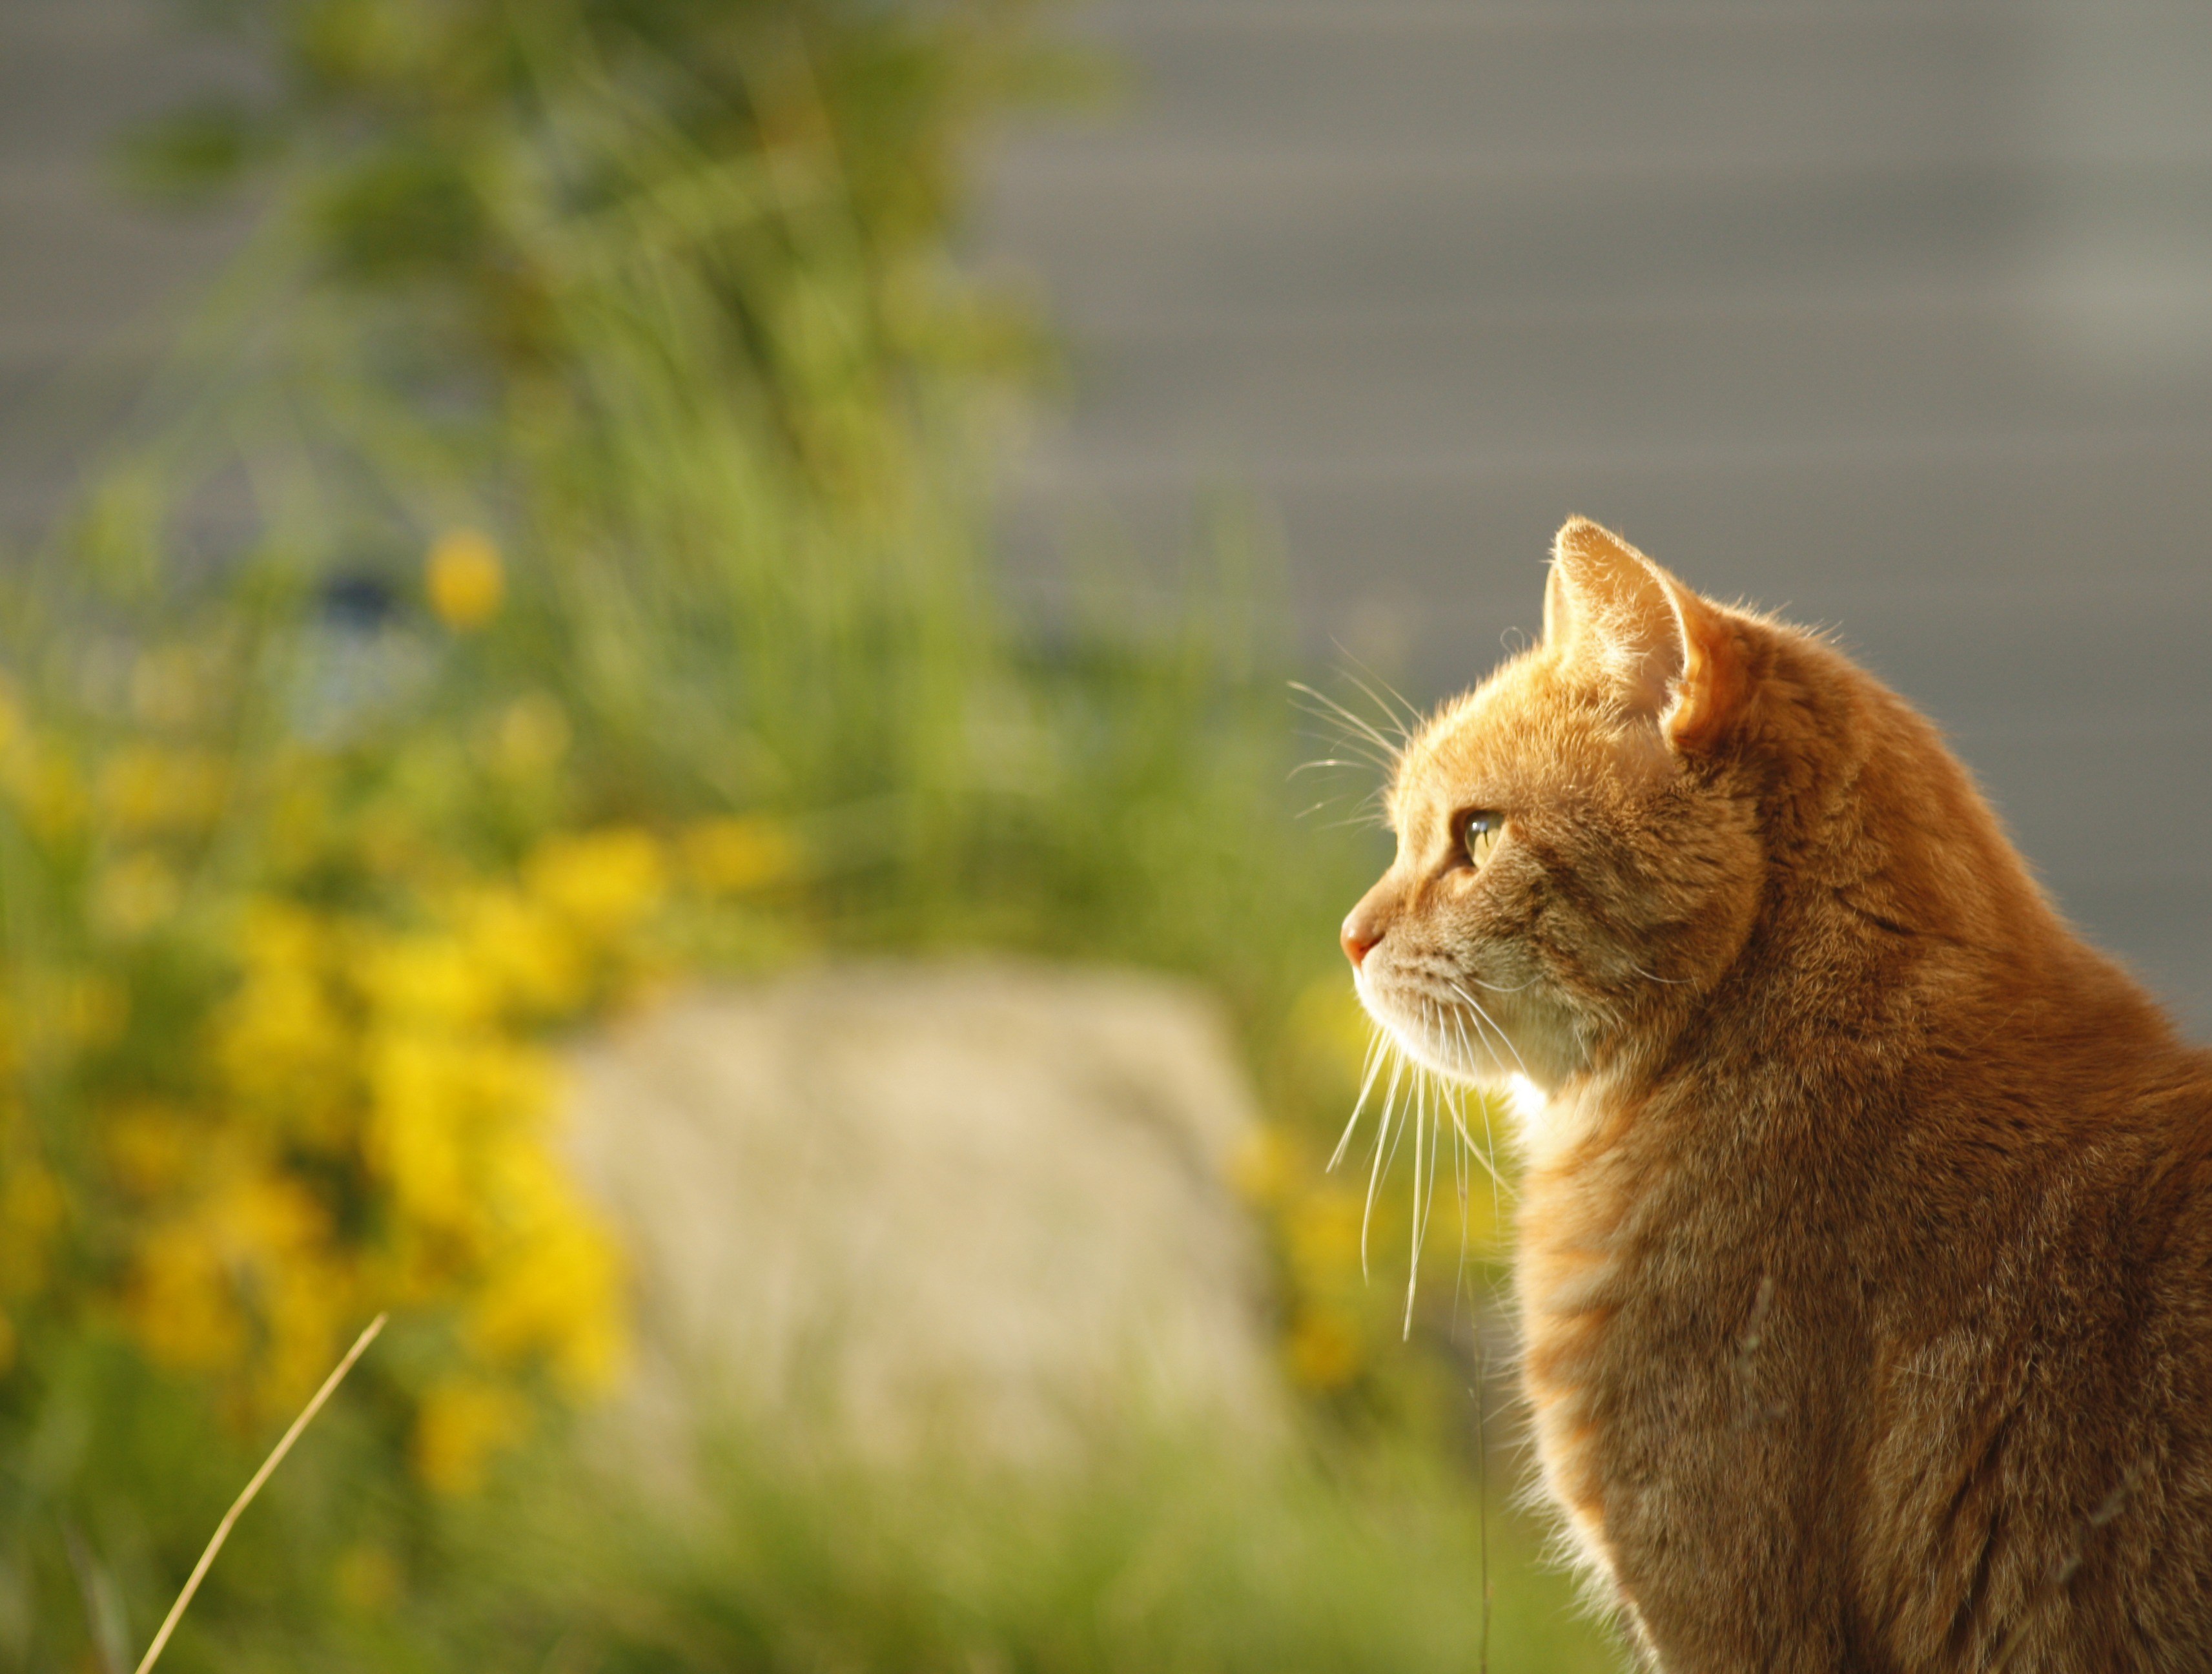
{"x":1452,"y":1052}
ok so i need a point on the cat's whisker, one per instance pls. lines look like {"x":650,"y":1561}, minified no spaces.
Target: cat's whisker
{"x":1361,"y":815}
{"x":1430,"y":1098}
{"x":1486,"y":1155}
{"x":1482,"y":1033}
{"x":1360,"y":753}
{"x":1412,"y":1088}
{"x":1424,"y":1204}
{"x":1420,"y":1223}
{"x":1368,"y":749}
{"x":1374,"y":821}
{"x":1413,"y":720}
{"x":1357,"y":760}
{"x":1503,"y":1039}
{"x":1433,"y":1103}
{"x":1378,"y":1048}
{"x":1359,"y":724}
{"x":1375,"y":1175}
{"x":1490,"y":1162}
{"x":1461,"y":1178}
{"x":1466,"y":1046}
{"x":1499,"y":988}
{"x":1405,"y":729}
{"x":1372,"y":807}
{"x":1405,"y":724}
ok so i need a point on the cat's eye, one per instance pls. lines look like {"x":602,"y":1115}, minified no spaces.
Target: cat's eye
{"x":1478,"y":834}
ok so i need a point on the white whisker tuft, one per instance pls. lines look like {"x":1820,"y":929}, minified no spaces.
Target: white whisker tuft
{"x":1431,"y":1099}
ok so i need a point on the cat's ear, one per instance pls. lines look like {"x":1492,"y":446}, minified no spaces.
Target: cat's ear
{"x":1672,"y":655}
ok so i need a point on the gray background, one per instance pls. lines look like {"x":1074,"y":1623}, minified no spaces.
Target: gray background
{"x":1896,"y":317}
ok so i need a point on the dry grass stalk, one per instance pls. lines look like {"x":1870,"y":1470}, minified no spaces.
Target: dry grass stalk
{"x":267,"y":1465}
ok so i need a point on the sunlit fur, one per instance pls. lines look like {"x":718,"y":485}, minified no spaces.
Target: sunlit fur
{"x":1865,"y":1238}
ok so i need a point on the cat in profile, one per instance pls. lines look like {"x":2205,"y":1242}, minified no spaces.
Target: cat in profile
{"x":1865,"y":1253}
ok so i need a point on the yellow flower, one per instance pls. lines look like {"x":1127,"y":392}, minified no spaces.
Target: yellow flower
{"x":525,"y":950}
{"x":1321,"y":1232}
{"x":602,"y":881}
{"x":278,"y":936}
{"x":729,"y":856}
{"x":459,"y":1425}
{"x":144,"y":789}
{"x":558,"y":1291}
{"x":180,"y":1303}
{"x":243,"y":1279}
{"x":149,"y":1147}
{"x":435,"y":1097}
{"x":305,"y":1298}
{"x":138,"y":894}
{"x":1260,"y":1168}
{"x":1324,"y":1351}
{"x":464,"y":579}
{"x":416,"y":1138}
{"x":284,"y":1040}
{"x":428,"y":979}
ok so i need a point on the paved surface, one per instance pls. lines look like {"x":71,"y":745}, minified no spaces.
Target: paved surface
{"x":1896,"y":313}
{"x":1896,"y":316}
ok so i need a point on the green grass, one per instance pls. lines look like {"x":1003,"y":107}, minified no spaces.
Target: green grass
{"x":1159,"y":1559}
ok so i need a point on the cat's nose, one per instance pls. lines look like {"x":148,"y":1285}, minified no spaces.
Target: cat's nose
{"x":1361,"y":931}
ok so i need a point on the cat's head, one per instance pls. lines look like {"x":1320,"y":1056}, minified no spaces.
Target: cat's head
{"x":1575,"y":860}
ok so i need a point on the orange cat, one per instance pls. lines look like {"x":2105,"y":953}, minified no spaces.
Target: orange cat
{"x":1866,"y":1232}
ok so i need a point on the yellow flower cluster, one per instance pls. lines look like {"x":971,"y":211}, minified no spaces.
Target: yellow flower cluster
{"x":374,"y":1129}
{"x":361,"y":1110}
{"x":412,"y":1061}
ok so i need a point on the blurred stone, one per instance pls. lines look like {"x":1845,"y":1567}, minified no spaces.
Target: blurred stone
{"x":979,"y":1207}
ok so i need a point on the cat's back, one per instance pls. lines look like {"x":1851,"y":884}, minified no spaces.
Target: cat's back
{"x":2013,"y":1149}
{"x":2036,"y":1408}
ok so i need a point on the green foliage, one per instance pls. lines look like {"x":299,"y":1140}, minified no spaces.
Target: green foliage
{"x":657,"y":294}
{"x":1161,"y":1558}
{"x":563,"y":530}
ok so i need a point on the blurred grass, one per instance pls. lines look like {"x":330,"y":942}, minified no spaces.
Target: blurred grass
{"x":1162,"y":1558}
{"x":552,"y":567}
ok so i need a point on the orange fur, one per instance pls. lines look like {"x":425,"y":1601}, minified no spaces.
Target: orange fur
{"x":1866,"y":1240}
